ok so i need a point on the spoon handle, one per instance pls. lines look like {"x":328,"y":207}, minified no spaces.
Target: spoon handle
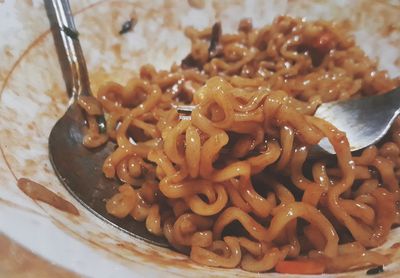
{"x":68,"y":48}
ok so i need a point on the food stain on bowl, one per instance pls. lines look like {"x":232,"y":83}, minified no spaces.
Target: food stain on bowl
{"x":38,"y":192}
{"x":16,"y":261}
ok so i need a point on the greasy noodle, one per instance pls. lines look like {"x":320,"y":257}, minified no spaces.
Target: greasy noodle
{"x":231,"y":183}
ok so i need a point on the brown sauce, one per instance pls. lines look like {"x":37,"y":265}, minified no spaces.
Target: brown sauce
{"x":16,"y":261}
{"x":152,"y":256}
{"x":197,"y":4}
{"x":11,"y":204}
{"x":38,"y":192}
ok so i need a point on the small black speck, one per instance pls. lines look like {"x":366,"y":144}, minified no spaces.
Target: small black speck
{"x":70,"y":33}
{"x":127,"y":26}
{"x":375,"y":270}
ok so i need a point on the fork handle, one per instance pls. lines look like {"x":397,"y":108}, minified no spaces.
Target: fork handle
{"x":68,"y":48}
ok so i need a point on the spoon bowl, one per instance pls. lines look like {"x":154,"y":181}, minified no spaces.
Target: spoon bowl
{"x":79,"y":168}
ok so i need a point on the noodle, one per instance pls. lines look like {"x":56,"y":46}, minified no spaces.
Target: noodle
{"x":241,"y":157}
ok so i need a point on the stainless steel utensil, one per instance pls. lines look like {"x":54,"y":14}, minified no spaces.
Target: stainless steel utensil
{"x":365,"y":120}
{"x":78,"y":168}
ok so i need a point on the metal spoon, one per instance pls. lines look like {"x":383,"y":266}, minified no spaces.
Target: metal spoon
{"x":78,"y":168}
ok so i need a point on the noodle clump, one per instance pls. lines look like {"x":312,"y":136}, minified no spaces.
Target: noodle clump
{"x":232,"y":183}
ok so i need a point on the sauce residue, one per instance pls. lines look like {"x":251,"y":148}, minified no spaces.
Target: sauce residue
{"x":153,"y":256}
{"x":395,"y":245}
{"x":38,"y":192}
{"x":11,"y":204}
{"x":394,"y":252}
{"x":16,"y":261}
{"x":197,"y":4}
